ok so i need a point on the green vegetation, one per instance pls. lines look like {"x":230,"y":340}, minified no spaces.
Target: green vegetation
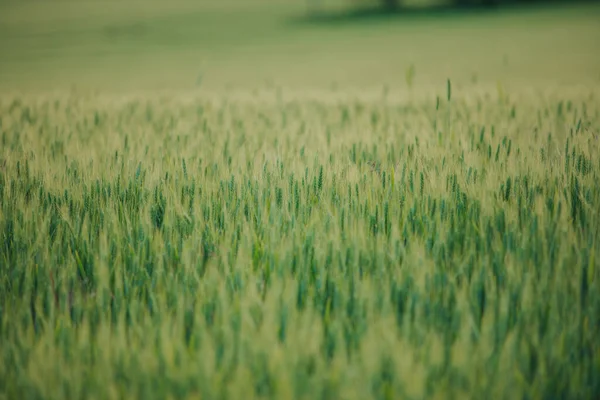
{"x":438,"y":238}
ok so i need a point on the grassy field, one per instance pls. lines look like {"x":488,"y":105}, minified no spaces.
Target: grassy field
{"x":235,"y":44}
{"x":204,"y":200}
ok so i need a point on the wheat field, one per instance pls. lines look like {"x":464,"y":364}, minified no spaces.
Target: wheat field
{"x":412,"y":234}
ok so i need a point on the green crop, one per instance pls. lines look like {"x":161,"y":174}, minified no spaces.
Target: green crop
{"x":293,"y":247}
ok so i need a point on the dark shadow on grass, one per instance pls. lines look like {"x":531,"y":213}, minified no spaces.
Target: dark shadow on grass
{"x":366,"y":14}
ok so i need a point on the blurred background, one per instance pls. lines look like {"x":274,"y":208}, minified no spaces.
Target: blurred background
{"x":427,"y":5}
{"x":301,"y":44}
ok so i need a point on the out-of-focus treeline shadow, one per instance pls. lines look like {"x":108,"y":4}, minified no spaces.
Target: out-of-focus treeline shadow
{"x":391,"y":9}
